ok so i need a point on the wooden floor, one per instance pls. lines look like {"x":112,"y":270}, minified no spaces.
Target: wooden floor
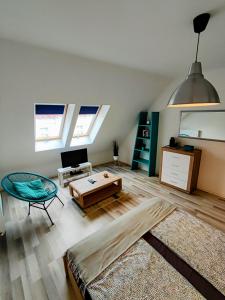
{"x":31,"y":264}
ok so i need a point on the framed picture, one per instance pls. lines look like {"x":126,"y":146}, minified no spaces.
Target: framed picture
{"x":145,"y":133}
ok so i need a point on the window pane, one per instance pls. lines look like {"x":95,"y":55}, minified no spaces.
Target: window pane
{"x":48,"y":126}
{"x":48,"y":121}
{"x":83,"y":125}
{"x":85,"y":120}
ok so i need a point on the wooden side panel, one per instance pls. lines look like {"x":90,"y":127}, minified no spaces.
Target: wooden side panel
{"x":196,"y":170}
{"x":153,"y":143}
{"x":72,"y":281}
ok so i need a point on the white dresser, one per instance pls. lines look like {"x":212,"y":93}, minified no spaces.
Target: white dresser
{"x":179,"y":168}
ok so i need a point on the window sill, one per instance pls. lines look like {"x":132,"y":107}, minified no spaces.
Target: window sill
{"x":48,"y":145}
{"x":80,"y":141}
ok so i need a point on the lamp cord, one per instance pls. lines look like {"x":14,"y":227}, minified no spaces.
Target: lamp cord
{"x":196,"y":56}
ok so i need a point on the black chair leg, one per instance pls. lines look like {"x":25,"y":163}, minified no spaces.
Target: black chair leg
{"x":60,"y":200}
{"x":29,"y":209}
{"x":48,"y":214}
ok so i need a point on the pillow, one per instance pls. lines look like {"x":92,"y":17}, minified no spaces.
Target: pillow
{"x":36,"y":184}
{"x":31,"y":189}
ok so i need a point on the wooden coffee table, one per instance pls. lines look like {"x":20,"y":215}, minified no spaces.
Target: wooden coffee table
{"x":86,"y":193}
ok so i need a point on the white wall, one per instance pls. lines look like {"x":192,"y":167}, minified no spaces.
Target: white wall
{"x":212,"y":168}
{"x":127,"y":145}
{"x":30,"y":74}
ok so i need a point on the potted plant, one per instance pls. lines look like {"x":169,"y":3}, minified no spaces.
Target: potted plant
{"x":115,"y":150}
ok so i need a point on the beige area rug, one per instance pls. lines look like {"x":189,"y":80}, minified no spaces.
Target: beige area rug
{"x":198,"y":243}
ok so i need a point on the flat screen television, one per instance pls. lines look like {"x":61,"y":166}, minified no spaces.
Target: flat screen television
{"x":74,"y":158}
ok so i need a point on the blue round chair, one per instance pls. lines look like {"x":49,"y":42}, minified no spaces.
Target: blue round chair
{"x":48,"y":185}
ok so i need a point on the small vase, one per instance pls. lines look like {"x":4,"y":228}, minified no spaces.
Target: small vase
{"x":115,"y":157}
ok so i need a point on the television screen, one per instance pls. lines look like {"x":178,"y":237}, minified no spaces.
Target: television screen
{"x":74,"y":158}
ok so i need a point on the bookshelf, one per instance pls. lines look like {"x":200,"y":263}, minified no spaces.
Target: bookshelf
{"x":145,"y":148}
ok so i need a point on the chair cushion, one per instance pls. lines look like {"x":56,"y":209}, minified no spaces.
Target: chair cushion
{"x":36,"y":184}
{"x":31,"y":189}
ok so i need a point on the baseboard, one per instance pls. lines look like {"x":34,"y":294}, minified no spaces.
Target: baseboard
{"x":112,"y":162}
{"x":126,"y":164}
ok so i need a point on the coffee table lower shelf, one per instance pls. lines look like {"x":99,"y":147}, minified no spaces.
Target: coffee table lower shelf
{"x":93,"y":197}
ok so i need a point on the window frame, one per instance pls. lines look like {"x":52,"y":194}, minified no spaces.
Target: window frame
{"x":59,"y":137}
{"x":91,"y":125}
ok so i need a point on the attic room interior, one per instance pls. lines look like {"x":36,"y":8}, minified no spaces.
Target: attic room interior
{"x":112,"y":166}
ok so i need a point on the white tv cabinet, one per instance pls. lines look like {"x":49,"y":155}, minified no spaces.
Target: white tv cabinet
{"x":65,"y":177}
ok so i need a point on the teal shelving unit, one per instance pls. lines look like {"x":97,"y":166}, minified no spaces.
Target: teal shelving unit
{"x":145,"y":148}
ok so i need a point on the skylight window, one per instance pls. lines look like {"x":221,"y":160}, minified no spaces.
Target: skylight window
{"x":49,"y":121}
{"x":85,"y":120}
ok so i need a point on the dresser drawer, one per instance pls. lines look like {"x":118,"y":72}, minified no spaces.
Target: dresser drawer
{"x":176,"y":162}
{"x":178,"y":180}
{"x":179,"y":176}
{"x":182,"y":184}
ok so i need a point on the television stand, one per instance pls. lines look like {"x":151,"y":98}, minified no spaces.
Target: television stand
{"x":65,"y":177}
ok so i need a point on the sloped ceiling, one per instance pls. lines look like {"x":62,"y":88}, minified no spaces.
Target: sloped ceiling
{"x":153,"y":35}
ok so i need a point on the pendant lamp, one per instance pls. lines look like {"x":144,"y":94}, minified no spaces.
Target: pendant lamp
{"x":195,"y":90}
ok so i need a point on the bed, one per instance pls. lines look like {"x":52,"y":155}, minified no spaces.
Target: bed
{"x":152,"y":252}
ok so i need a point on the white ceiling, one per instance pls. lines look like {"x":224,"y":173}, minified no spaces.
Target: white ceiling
{"x":153,"y":35}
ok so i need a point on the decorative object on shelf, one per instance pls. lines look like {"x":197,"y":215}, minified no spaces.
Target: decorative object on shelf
{"x":145,"y":148}
{"x":145,"y":133}
{"x":143,"y":145}
{"x":106,"y":175}
{"x":115,"y":151}
{"x":180,"y":168}
{"x":195,"y":90}
{"x":147,"y":122}
{"x":188,"y":147}
{"x":173,"y":142}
